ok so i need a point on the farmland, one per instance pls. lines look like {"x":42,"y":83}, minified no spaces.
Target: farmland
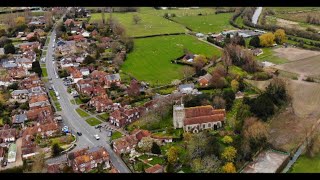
{"x":149,"y":24}
{"x":205,"y":24}
{"x":307,"y":66}
{"x":150,"y":59}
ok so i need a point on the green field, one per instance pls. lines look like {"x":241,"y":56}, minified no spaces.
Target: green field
{"x":268,"y":55}
{"x":178,"y":12}
{"x":104,"y":116}
{"x":116,"y":135}
{"x":93,"y":121}
{"x":214,"y":23}
{"x":149,"y":24}
{"x":306,"y":165}
{"x":82,"y":113}
{"x":44,"y":72}
{"x":150,"y":59}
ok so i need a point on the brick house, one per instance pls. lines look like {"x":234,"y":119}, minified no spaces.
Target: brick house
{"x":18,"y":72}
{"x":20,"y":94}
{"x":87,"y":159}
{"x":112,"y":78}
{"x":85,"y":86}
{"x":204,"y":80}
{"x":101,"y":103}
{"x":39,"y":101}
{"x":155,"y":169}
{"x":29,"y":46}
{"x":127,"y":143}
{"x":75,"y":74}
{"x":8,"y":135}
{"x":124,"y":116}
{"x":33,"y":114}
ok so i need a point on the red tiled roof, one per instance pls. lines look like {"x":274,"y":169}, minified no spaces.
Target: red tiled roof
{"x":203,"y":114}
{"x":155,"y":169}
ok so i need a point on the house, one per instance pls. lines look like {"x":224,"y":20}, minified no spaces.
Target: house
{"x":6,"y":80}
{"x":112,"y":78}
{"x":40,"y":32}
{"x":8,"y":135}
{"x":75,"y":74}
{"x":8,"y":64}
{"x":18,"y":72}
{"x":127,"y":143}
{"x":87,"y":159}
{"x":19,"y":119}
{"x":186,"y":88}
{"x":218,"y":37}
{"x":85,"y":71}
{"x":77,"y":38}
{"x":54,"y":168}
{"x":33,"y":36}
{"x":98,"y":75}
{"x":43,"y":130}
{"x":24,"y":62}
{"x":20,"y":94}
{"x":200,"y":35}
{"x":155,"y":169}
{"x":257,"y":52}
{"x":195,"y":119}
{"x":69,"y":22}
{"x":86,"y":34}
{"x":38,"y":101}
{"x":204,"y":80}
{"x":33,"y":114}
{"x":101,"y":103}
{"x":2,"y":153}
{"x":85,"y":86}
{"x":28,"y":146}
{"x":29,"y":46}
{"x":79,"y":59}
{"x":124,"y":116}
{"x":12,"y":153}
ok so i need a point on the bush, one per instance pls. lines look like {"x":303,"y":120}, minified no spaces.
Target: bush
{"x":261,"y":76}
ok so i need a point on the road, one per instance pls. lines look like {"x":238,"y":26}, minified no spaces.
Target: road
{"x":72,"y":118}
{"x":256,"y":15}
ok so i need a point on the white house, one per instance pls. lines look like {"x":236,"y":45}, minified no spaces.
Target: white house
{"x":186,"y":88}
{"x":86,"y":34}
{"x":85,"y":71}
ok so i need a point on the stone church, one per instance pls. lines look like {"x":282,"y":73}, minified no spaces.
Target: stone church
{"x":195,"y":119}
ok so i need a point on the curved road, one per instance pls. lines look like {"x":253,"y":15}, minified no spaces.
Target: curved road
{"x":256,"y":15}
{"x":72,"y":118}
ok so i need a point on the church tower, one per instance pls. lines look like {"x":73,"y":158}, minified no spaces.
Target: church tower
{"x":178,"y":116}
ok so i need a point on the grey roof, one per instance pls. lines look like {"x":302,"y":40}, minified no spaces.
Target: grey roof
{"x":183,"y":86}
{"x":23,"y":60}
{"x":17,"y":92}
{"x":113,"y":77}
{"x":20,"y":118}
{"x":9,"y":65}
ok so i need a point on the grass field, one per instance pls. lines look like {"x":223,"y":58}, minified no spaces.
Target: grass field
{"x":93,"y":121}
{"x":149,"y":24}
{"x":116,"y":135}
{"x":44,"y":72}
{"x":269,"y":55}
{"x":178,"y":12}
{"x":306,"y":165}
{"x":150,"y":59}
{"x":82,"y":113}
{"x":104,"y":116}
{"x":211,"y":23}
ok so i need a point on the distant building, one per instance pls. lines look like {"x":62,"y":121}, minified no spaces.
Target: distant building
{"x":195,"y":119}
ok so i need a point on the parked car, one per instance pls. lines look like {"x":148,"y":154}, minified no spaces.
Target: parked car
{"x":79,"y":133}
{"x":99,"y":126}
{"x":97,"y":137}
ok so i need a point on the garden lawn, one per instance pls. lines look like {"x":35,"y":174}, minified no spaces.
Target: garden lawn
{"x":116,"y":135}
{"x":268,"y":55}
{"x":149,"y":24}
{"x":82,"y":113}
{"x":151,"y":58}
{"x":44,"y":72}
{"x":104,"y":116}
{"x":306,"y":165}
{"x":93,"y":121}
{"x":155,"y":159}
{"x":213,"y":23}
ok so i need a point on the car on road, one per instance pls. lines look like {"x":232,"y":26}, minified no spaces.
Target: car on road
{"x":58,"y":97}
{"x":50,"y":88}
{"x":97,"y":137}
{"x":79,"y":133}
{"x":99,"y":126}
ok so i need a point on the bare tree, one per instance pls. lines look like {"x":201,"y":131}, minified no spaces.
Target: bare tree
{"x":136,"y":19}
{"x":219,"y":102}
{"x":187,"y":71}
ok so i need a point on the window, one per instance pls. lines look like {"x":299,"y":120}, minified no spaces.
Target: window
{"x":203,"y":126}
{"x":209,"y":125}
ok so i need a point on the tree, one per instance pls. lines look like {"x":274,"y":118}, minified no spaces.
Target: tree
{"x":187,"y":71}
{"x":226,"y":59}
{"x":241,"y":115}
{"x":207,"y":164}
{"x":155,"y":148}
{"x":146,"y":144}
{"x":227,"y":139}
{"x":255,"y":130}
{"x":173,"y":154}
{"x":255,"y":41}
{"x":234,"y":85}
{"x":262,"y":107}
{"x":56,"y":149}
{"x":267,"y":40}
{"x":276,"y":91}
{"x":36,"y":68}
{"x":134,"y":88}
{"x":229,"y":96}
{"x":38,"y":163}
{"x":118,"y":61}
{"x":128,"y":42}
{"x":13,"y":86}
{"x":229,"y":168}
{"x":280,"y":36}
{"x":218,"y":80}
{"x":88,"y":60}
{"x":9,"y":48}
{"x":229,"y":153}
{"x":4,"y":40}
{"x":199,"y":62}
{"x":20,"y":20}
{"x":136,"y":19}
{"x":219,"y":102}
